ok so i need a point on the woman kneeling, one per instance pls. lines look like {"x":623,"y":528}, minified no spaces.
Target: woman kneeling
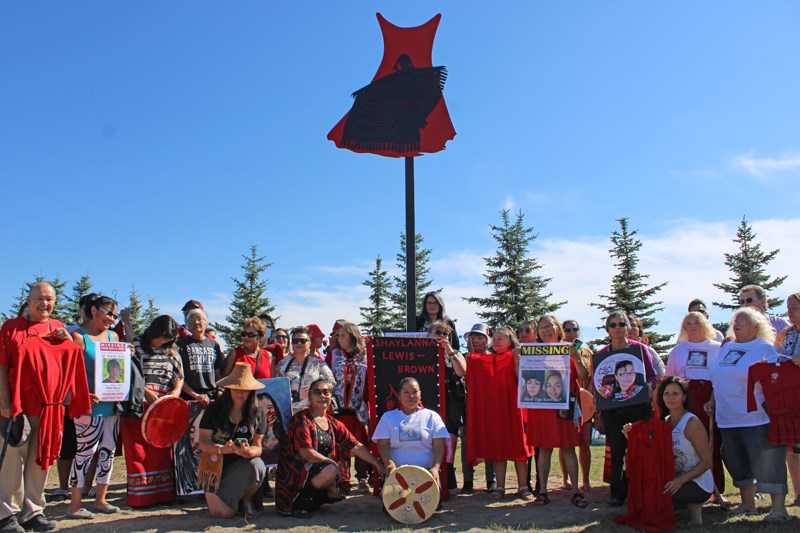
{"x":233,"y":427}
{"x":314,"y":464}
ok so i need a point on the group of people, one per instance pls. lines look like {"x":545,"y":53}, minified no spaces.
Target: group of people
{"x":714,"y":390}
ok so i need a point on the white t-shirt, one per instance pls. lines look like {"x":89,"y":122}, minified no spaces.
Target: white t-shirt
{"x":729,"y":375}
{"x":691,"y":360}
{"x":411,"y":436}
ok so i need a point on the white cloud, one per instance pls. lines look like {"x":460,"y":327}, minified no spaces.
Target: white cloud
{"x":688,"y":254}
{"x":765,"y":166}
{"x":509,"y":204}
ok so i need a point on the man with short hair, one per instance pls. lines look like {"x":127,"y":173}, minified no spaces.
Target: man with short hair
{"x":699,"y":306}
{"x":39,"y":366}
{"x":755,"y":297}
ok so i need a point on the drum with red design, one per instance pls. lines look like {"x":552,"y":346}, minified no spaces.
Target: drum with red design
{"x":165,"y":421}
{"x":410,"y":494}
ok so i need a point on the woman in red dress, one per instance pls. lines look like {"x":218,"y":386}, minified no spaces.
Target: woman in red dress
{"x":546,"y":430}
{"x":495,"y":427}
{"x":250,"y":351}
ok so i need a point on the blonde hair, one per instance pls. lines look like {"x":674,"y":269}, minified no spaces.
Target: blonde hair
{"x":763,"y":328}
{"x":708,"y":329}
{"x":510,"y":333}
{"x":255,"y":323}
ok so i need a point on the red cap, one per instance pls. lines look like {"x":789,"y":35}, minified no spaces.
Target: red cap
{"x":315,"y":332}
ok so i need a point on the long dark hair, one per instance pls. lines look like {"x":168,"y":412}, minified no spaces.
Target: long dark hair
{"x":250,"y":410}
{"x":94,"y":300}
{"x":423,"y":314}
{"x":163,"y":327}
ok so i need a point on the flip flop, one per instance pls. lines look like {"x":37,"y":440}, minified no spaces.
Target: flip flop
{"x":742,"y":511}
{"x":777,"y":517}
{"x":81,"y":514}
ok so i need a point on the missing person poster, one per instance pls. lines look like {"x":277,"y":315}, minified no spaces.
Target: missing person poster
{"x":276,"y":401}
{"x":619,"y":380}
{"x":544,"y":376}
{"x":112,"y":371}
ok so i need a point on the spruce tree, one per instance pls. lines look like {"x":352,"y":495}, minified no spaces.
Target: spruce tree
{"x":72,"y":311}
{"x":748,"y":267}
{"x":517,"y":291}
{"x":629,"y":290}
{"x":150,"y":313}
{"x":134,"y":307}
{"x":380,"y":316}
{"x":421,"y":270}
{"x":249,"y":298}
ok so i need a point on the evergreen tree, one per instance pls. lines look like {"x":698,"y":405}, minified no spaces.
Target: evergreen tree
{"x":134,"y":307}
{"x":72,"y":311}
{"x":748,"y":267}
{"x":150,"y":313}
{"x":517,"y":292}
{"x":380,"y":316}
{"x":20,"y":300}
{"x":249,"y":298}
{"x":629,"y":290}
{"x":398,"y":297}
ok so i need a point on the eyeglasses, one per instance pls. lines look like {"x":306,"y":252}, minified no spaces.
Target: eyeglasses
{"x":749,"y":300}
{"x":299,"y":341}
{"x":571,"y":330}
{"x":320,"y":392}
{"x":252,"y":335}
{"x":109,"y":313}
{"x":612,"y":325}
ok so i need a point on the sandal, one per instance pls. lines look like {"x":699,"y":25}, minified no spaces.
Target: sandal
{"x":525,"y":494}
{"x":81,"y":514}
{"x":106,"y":509}
{"x":542,"y":499}
{"x":776,"y":517}
{"x":566,"y":486}
{"x":742,"y":510}
{"x":579,"y":501}
{"x":497,"y":493}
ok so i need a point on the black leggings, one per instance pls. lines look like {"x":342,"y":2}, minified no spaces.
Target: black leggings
{"x":689,"y":493}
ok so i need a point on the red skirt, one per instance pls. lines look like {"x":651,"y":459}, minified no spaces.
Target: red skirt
{"x":151,"y":473}
{"x":547,"y":430}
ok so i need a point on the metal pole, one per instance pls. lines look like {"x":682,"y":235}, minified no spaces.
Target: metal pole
{"x":411,"y":248}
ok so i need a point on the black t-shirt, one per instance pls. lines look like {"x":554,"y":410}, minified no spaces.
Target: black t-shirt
{"x":224,"y":430}
{"x":200,"y":361}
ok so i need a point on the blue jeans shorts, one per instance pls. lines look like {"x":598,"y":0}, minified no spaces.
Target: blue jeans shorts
{"x":751,"y":460}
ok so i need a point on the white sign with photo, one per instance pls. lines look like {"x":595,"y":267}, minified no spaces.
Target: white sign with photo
{"x":112,"y":371}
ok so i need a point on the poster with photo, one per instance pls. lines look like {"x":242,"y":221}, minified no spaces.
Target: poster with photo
{"x":112,"y":371}
{"x":276,"y":401}
{"x":619,"y":380}
{"x":544,"y":376}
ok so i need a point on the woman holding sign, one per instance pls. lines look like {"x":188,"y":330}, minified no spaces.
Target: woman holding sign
{"x":613,"y":365}
{"x":557,"y":428}
{"x":101,"y":427}
{"x":495,"y":425}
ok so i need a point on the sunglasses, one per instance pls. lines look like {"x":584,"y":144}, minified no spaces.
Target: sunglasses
{"x":250,"y":335}
{"x":283,"y":337}
{"x":109,"y":313}
{"x":320,"y":392}
{"x":612,"y":325}
{"x":299,"y":341}
{"x":571,"y":330}
{"x":748,"y":300}
{"x":440,"y":333}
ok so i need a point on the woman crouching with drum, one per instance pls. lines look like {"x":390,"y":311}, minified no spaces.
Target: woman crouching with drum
{"x":411,"y":434}
{"x":311,"y":471}
{"x":151,"y":471}
{"x":232,"y":427}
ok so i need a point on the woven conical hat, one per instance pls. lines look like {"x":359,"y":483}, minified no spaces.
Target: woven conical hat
{"x":410,"y":495}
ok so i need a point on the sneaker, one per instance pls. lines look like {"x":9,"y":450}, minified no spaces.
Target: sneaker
{"x":38,"y":523}
{"x":9,"y":524}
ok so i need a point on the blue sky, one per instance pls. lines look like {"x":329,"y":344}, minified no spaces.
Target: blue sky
{"x":150,"y":143}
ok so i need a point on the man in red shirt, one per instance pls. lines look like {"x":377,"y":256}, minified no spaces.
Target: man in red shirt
{"x":22,"y":481}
